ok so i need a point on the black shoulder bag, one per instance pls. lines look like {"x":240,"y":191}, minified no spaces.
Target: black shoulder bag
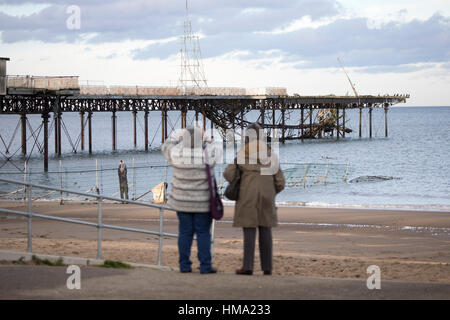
{"x":232,"y":190}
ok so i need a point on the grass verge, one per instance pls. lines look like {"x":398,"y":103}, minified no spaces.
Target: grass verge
{"x":115,"y":265}
{"x":37,"y":261}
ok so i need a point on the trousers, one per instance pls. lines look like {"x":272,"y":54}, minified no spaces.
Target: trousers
{"x":265,"y":248}
{"x":200,"y":224}
{"x":124,"y":190}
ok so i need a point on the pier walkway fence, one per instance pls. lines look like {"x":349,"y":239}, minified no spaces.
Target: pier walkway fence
{"x":98,"y":225}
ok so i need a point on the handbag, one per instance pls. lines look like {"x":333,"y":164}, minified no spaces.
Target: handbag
{"x":215,"y":202}
{"x":232,"y":190}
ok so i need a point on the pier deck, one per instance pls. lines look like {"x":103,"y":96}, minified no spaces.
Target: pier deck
{"x":320,"y":116}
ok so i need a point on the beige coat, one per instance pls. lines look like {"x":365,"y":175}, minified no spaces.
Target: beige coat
{"x":256,"y":203}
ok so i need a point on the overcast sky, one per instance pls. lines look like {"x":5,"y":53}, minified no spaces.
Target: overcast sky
{"x":395,"y":46}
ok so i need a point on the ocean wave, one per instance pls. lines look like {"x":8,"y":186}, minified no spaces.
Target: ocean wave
{"x":299,"y":204}
{"x":305,"y":204}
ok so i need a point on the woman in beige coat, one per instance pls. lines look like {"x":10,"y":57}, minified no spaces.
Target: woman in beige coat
{"x":261,"y":180}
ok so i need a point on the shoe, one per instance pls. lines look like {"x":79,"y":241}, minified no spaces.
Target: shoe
{"x":212,"y":270}
{"x":267,"y":272}
{"x":244,"y":272}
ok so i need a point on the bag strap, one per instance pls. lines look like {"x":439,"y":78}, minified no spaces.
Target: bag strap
{"x":208,"y":174}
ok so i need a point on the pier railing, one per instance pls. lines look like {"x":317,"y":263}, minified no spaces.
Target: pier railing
{"x":99,"y":224}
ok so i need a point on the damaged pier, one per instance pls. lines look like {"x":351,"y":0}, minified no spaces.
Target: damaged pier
{"x":320,"y":116}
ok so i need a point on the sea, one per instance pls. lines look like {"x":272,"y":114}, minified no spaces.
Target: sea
{"x":409,"y":169}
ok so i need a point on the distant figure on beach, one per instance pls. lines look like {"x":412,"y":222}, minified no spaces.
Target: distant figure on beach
{"x":189,"y":194}
{"x":255,"y":206}
{"x":123,"y":181}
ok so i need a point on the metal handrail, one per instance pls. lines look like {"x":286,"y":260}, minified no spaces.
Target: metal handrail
{"x":99,"y":225}
{"x":38,"y":186}
{"x":93,"y":224}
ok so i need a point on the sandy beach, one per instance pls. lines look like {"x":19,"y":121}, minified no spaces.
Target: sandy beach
{"x":336,"y":243}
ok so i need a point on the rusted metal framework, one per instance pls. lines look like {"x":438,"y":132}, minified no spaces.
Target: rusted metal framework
{"x":224,"y":112}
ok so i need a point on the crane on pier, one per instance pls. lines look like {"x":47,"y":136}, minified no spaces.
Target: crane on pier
{"x":325,"y":120}
{"x":351,"y":83}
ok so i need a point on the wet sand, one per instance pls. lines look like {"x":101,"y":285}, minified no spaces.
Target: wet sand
{"x":336,"y":243}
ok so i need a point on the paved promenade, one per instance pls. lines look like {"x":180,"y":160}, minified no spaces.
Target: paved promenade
{"x":44,"y":282}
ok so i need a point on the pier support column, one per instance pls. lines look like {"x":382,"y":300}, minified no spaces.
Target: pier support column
{"x":162,"y":124}
{"x":165,"y":125}
{"x":386,"y":106}
{"x":234,"y":129}
{"x":273,"y":123}
{"x":181,"y":119}
{"x":283,"y":124}
{"x":82,"y":130}
{"x":310,"y":122}
{"x":196,"y":117}
{"x":183,"y":123}
{"x":59,"y":133}
{"x":204,"y":121}
{"x":343,"y":122}
{"x":114,"y":135}
{"x":57,"y":117}
{"x":212,"y":130}
{"x":55,"y":120}
{"x":302,"y":122}
{"x":242,"y":125}
{"x":263,"y":106}
{"x":45,"y":117}
{"x":90,"y":131}
{"x":360,"y":122}
{"x":146,"y":129}
{"x":337,"y":123}
{"x":23,"y":119}
{"x":135,"y":128}
{"x":370,"y":122}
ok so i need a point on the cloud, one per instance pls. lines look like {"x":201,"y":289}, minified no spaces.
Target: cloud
{"x":157,"y":19}
{"x":351,"y":39}
{"x":302,"y":33}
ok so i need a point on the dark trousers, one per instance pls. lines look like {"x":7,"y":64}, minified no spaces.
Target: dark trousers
{"x":124,"y":190}
{"x":200,"y":224}
{"x":265,"y":248}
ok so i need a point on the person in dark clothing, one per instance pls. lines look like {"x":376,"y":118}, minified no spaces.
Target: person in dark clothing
{"x":123,"y":181}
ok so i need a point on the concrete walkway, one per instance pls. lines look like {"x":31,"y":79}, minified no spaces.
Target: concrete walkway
{"x":43,"y":282}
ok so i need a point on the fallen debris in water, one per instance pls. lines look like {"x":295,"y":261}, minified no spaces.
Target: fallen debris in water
{"x":372,"y":179}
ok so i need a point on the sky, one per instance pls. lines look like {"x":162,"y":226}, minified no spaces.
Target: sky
{"x":394,"y":47}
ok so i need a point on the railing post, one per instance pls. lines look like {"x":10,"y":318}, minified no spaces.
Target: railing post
{"x":60,"y":183}
{"x":99,"y":229}
{"x":30,"y":219}
{"x":25,"y":179}
{"x":161,"y":219}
